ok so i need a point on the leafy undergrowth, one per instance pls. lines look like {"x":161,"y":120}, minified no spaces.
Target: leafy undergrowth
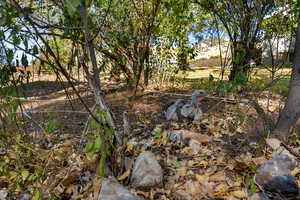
{"x":54,"y":165}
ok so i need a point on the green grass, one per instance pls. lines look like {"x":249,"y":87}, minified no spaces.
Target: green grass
{"x":261,"y":81}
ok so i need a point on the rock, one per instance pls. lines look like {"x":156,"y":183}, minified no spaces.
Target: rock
{"x":112,"y":190}
{"x":24,"y":196}
{"x":146,"y":171}
{"x":182,"y":195}
{"x":185,"y":135}
{"x":195,"y":146}
{"x":279,"y":165}
{"x":274,"y":177}
{"x":3,"y":194}
{"x":175,"y":136}
{"x":275,"y":144}
{"x":85,"y":177}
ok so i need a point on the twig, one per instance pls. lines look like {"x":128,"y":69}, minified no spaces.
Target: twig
{"x":49,"y":111}
{"x":28,"y":116}
{"x":297,"y":155}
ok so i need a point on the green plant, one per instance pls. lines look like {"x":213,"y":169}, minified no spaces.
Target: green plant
{"x":158,"y":135}
{"x":51,"y":125}
{"x":249,"y":181}
{"x":100,"y":140}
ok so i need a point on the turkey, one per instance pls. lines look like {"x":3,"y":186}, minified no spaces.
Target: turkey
{"x":182,"y":109}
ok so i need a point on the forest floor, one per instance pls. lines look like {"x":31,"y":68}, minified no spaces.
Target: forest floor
{"x":50,"y":154}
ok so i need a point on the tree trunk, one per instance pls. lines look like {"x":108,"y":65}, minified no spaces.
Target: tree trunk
{"x":240,"y":59}
{"x":291,"y":111}
{"x":94,"y":79}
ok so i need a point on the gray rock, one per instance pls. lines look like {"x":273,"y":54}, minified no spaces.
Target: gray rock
{"x":175,"y":135}
{"x":3,"y":194}
{"x":146,"y":171}
{"x":184,"y":136}
{"x":24,"y":196}
{"x":112,"y":190}
{"x":279,"y":165}
{"x":275,"y":179}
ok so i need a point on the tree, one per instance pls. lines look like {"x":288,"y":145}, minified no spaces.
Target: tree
{"x":291,"y":110}
{"x":40,"y":24}
{"x":242,"y":20}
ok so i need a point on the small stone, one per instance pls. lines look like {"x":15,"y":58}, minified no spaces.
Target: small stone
{"x":182,"y":195}
{"x":146,"y":171}
{"x":279,"y":165}
{"x":195,"y":146}
{"x":112,"y":190}
{"x":274,"y":177}
{"x":3,"y":194}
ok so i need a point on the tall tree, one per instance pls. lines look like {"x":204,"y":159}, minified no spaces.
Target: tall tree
{"x":242,"y":21}
{"x":291,"y":110}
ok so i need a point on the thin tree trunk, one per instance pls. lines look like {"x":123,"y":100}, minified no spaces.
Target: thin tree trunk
{"x":94,"y":80}
{"x":291,"y":111}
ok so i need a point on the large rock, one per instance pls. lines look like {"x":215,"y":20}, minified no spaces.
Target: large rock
{"x":146,"y":171}
{"x":275,"y":179}
{"x":112,"y":190}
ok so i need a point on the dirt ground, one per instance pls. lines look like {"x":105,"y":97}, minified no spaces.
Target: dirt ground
{"x":237,"y":130}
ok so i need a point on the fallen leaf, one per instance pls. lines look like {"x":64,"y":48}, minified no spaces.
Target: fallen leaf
{"x":181,"y":171}
{"x":181,"y":194}
{"x":124,"y":175}
{"x":129,"y":147}
{"x":295,"y":171}
{"x":274,"y":143}
{"x":259,"y":160}
{"x":220,"y":176}
{"x":202,"y":178}
{"x":193,"y":187}
{"x":239,"y":194}
{"x":221,"y":190}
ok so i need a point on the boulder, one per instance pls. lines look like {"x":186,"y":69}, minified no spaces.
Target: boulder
{"x":112,"y":190}
{"x":146,"y":171}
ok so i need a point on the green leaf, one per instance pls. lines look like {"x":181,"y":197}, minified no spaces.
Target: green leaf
{"x":94,"y":124}
{"x":158,"y":135}
{"x":25,"y":173}
{"x":72,"y":6}
{"x":24,"y":60}
{"x":10,"y":55}
{"x":37,"y":195}
{"x":2,"y":20}
{"x":89,"y":146}
{"x":98,"y":143}
{"x":177,"y":164}
{"x":26,"y":43}
{"x":35,"y":50}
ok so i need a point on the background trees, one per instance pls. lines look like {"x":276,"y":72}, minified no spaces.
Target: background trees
{"x":134,"y":41}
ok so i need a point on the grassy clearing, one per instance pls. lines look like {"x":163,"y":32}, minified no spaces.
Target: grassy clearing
{"x":209,"y":78}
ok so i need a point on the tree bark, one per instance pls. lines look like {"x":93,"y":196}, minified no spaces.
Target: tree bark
{"x":94,"y":80}
{"x":291,"y":110}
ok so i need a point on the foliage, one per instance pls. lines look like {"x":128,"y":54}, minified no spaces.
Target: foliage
{"x":100,"y":141}
{"x":243,"y":28}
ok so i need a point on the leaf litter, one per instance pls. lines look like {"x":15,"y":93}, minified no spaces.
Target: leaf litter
{"x":216,"y":159}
